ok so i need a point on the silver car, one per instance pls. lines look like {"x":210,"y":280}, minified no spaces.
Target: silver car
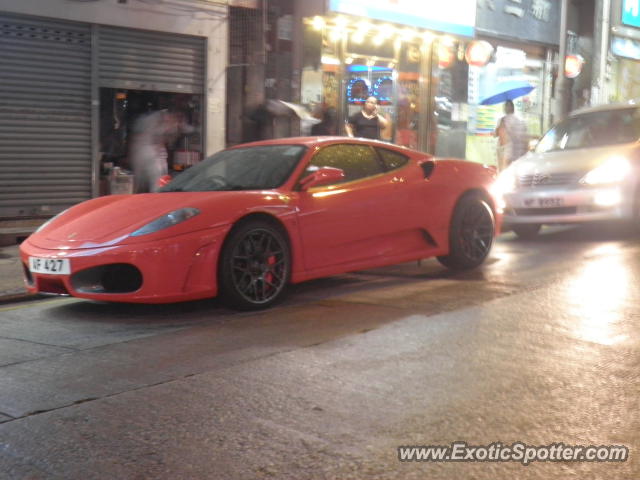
{"x":584,"y":169}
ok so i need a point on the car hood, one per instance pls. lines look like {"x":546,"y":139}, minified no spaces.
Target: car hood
{"x":110,"y":220}
{"x":580,"y":160}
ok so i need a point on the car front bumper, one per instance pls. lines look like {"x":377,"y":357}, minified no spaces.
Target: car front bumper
{"x":171,"y":270}
{"x":562,"y":205}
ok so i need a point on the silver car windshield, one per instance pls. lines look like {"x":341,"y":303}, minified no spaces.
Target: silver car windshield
{"x":595,"y":129}
{"x":250,"y":168}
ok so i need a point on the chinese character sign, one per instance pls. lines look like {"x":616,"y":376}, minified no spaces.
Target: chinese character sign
{"x":536,"y":20}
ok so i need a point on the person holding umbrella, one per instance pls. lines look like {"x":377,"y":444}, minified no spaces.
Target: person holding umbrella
{"x":511,"y":130}
{"x":512,"y":136}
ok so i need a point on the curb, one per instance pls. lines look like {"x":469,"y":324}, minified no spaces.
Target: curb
{"x":18,"y":297}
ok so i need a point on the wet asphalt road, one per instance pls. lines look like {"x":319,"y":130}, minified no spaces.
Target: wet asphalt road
{"x":541,"y":345}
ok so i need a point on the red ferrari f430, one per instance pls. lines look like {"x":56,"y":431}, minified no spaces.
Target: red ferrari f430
{"x":249,"y":220}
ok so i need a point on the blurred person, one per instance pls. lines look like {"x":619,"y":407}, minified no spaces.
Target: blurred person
{"x":148,"y":155}
{"x":512,"y":136}
{"x":260,"y":124}
{"x":327,"y":124}
{"x":367,"y":123}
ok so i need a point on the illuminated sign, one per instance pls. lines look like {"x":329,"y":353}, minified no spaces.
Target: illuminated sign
{"x":446,"y":55}
{"x":478,"y":53}
{"x":383,"y":90}
{"x":357,"y":90}
{"x":573,"y":65}
{"x":454,"y":16}
{"x":631,"y":12}
{"x":625,"y":47}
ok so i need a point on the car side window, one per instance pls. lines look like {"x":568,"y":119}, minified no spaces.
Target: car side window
{"x":357,"y":161}
{"x":391,"y":159}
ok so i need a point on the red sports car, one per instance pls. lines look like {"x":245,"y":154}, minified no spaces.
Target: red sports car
{"x":249,"y":220}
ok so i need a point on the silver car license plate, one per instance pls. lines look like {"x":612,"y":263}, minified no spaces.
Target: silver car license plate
{"x":549,"y":202}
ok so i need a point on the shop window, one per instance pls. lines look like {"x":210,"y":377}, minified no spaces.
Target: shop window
{"x":365,"y":78}
{"x":507,"y":66}
{"x":450,"y":99}
{"x":407,"y":112}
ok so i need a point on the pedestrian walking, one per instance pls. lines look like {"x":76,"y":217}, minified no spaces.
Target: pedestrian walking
{"x":512,"y":136}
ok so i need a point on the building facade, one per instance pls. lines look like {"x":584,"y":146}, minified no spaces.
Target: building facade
{"x":77,"y":74}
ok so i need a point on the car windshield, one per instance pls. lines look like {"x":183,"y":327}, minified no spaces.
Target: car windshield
{"x":595,"y":129}
{"x":250,"y":168}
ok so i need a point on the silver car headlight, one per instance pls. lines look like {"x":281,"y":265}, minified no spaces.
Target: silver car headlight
{"x":505,"y":183}
{"x":168,"y":220}
{"x":614,"y":170}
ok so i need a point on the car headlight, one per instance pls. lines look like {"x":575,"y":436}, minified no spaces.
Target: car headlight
{"x":505,"y":183}
{"x":613,"y":170}
{"x":166,"y":221}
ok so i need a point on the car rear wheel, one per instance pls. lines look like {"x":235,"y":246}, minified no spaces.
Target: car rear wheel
{"x":255,"y":265}
{"x":471,"y":235}
{"x":526,"y":232}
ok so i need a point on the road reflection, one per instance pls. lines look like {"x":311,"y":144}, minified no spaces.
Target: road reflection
{"x":596,"y":296}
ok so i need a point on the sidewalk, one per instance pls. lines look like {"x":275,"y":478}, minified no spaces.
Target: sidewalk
{"x":11,"y":277}
{"x":12,"y":232}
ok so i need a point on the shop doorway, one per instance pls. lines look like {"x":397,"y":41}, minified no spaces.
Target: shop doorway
{"x":121,"y":114}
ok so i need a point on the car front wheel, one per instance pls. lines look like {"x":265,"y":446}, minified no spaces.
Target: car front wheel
{"x":471,"y":234}
{"x":255,"y":265}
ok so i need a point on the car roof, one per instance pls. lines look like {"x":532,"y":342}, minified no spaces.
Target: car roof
{"x":605,"y":108}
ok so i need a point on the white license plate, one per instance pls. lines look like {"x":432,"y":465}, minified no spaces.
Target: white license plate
{"x":550,"y":202}
{"x":52,"y":266}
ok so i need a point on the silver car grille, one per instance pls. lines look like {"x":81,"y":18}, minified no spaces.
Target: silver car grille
{"x":539,"y":180}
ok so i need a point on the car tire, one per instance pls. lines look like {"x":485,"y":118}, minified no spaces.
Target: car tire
{"x":526,"y":232}
{"x":254,"y":266}
{"x":471,"y":234}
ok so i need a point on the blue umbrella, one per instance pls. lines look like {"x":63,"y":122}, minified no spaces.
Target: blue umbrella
{"x":509,"y":90}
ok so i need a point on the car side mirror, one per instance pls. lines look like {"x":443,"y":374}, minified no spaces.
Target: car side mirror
{"x":322,"y":176}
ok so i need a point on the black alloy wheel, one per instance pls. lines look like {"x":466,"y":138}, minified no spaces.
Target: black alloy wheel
{"x":471,"y":235}
{"x":255,"y":266}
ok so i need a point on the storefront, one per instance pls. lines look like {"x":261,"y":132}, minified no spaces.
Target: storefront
{"x":523,"y":74}
{"x":414,"y":66}
{"x":523,"y":39}
{"x":432,"y":68}
{"x":163,"y":73}
{"x":72,"y":89}
{"x":624,"y":67}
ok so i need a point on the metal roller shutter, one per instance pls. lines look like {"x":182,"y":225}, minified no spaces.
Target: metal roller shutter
{"x":142,"y":60}
{"x":45,"y":115}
